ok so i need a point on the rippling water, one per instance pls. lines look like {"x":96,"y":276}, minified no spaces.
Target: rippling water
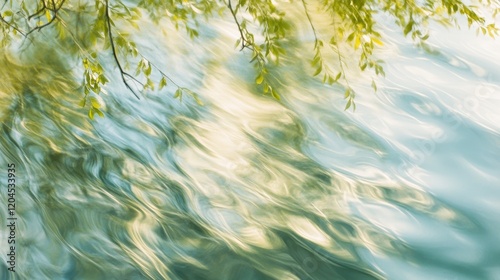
{"x":246,"y":187}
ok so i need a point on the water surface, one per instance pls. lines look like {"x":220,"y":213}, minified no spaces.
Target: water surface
{"x":246,"y":187}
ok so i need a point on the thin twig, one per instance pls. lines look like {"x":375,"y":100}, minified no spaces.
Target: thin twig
{"x":340,"y":59}
{"x":342,"y":70}
{"x":54,"y":16}
{"x":43,"y":25}
{"x":310,"y":20}
{"x":113,"y":50}
{"x":39,"y":11}
{"x":243,"y":38}
{"x":155,"y":66}
{"x":12,"y":26}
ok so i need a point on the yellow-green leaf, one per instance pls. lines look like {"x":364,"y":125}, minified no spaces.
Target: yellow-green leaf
{"x":408,"y":27}
{"x":259,"y":79}
{"x":7,"y":13}
{"x":357,"y":42}
{"x":178,"y":93}
{"x":83,"y":102}
{"x":275,"y":95}
{"x":101,"y":114}
{"x":266,"y":88}
{"x":48,"y":15}
{"x":163,"y":83}
{"x":330,"y":80}
{"x":338,"y":76}
{"x":95,"y":102}
{"x":377,"y":41}
{"x":318,"y":70}
{"x":348,"y":104}
{"x":198,"y":100}
{"x":147,"y":71}
{"x":347,"y":93}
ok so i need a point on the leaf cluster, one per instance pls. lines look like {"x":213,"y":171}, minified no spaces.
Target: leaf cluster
{"x":92,"y":29}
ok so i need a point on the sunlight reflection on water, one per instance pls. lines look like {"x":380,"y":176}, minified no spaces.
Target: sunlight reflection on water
{"x":249,"y":188}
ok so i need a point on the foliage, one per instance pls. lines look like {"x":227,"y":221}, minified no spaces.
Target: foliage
{"x":98,"y":28}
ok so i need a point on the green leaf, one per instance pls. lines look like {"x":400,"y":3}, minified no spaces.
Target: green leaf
{"x":338,"y":76}
{"x":198,"y":100}
{"x":87,"y":77}
{"x":266,"y":88}
{"x":318,"y":70}
{"x":91,"y":113}
{"x":350,"y":37}
{"x":347,"y":93}
{"x":275,"y":95}
{"x":408,"y":27}
{"x":95,"y":102}
{"x":377,"y":41}
{"x":316,"y":60}
{"x":259,"y":79}
{"x":357,"y":42}
{"x":101,"y":114}
{"x":149,"y":84}
{"x":83,"y":102}
{"x":147,"y":71}
{"x":333,"y":41}
{"x":331,"y":80}
{"x":163,"y":83}
{"x":48,"y":15}
{"x":178,"y":93}
{"x":348,"y":104}
{"x":103,"y":79}
{"x":254,"y":57}
{"x":7,"y":13}
{"x":340,"y":33}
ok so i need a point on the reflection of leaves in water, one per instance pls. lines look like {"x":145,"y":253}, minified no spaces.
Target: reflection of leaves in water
{"x":354,"y":134}
{"x":39,"y":79}
{"x":37,"y":99}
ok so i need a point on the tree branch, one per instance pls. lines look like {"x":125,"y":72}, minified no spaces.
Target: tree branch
{"x":115,"y":56}
{"x":309,"y":19}
{"x":54,"y":16}
{"x":244,"y":42}
{"x":12,"y":26}
{"x":44,"y":6}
